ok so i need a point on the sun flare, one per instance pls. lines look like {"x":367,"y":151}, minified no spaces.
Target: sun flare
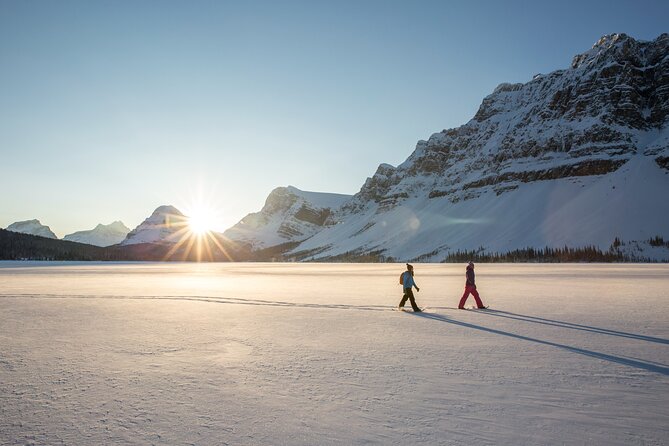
{"x":201,"y":221}
{"x":199,"y":236}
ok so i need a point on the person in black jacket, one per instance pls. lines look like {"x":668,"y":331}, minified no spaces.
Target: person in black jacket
{"x":470,"y":287}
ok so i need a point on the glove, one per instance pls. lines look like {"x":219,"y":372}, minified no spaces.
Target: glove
{"x":417,"y":289}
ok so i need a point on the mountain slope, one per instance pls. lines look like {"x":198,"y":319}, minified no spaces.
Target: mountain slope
{"x":32,"y":227}
{"x":101,"y":235}
{"x":289,"y":215}
{"x":575,"y":157}
{"x":166,"y":225}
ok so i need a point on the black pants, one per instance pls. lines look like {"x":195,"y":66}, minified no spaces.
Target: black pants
{"x":408,"y":294}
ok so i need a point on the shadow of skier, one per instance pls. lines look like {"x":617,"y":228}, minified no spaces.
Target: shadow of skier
{"x":209,"y":299}
{"x":570,"y":325}
{"x":648,"y":366}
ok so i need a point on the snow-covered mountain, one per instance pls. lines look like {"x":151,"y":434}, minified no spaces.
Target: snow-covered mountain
{"x":166,"y":225}
{"x":575,"y":157}
{"x":32,"y":227}
{"x":289,"y":215}
{"x":101,"y":235}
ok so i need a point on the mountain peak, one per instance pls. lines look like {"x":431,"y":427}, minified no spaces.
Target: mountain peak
{"x":167,"y":209}
{"x":32,"y":227}
{"x":606,"y":45}
{"x":165,"y":225}
{"x":118,"y":224}
{"x":101,"y":235}
{"x":289,"y":215}
{"x":621,"y":48}
{"x":609,"y":40}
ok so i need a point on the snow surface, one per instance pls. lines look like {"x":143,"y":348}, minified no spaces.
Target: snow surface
{"x":306,"y":354}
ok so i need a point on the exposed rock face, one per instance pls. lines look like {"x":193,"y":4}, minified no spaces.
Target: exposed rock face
{"x":576,"y":125}
{"x":289,"y":215}
{"x":557,"y":123}
{"x":32,"y":227}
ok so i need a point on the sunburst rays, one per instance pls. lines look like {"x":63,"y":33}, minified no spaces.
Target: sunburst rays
{"x":191,"y":243}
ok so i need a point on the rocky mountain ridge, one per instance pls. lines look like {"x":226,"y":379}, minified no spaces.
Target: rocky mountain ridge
{"x":587,"y":120}
{"x":289,"y":215}
{"x":532,"y":168}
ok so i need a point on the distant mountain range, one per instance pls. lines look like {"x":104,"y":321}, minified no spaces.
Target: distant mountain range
{"x":101,"y":235}
{"x":576,"y":159}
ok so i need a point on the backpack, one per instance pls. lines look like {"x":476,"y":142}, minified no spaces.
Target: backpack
{"x":402,"y":279}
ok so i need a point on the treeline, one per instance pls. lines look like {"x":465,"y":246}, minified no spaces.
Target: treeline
{"x":543,"y":255}
{"x":16,"y":246}
{"x":658,"y":241}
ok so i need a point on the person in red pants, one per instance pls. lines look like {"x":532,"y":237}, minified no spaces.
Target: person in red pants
{"x":470,"y":287}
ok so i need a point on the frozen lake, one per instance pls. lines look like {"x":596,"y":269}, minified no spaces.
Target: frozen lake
{"x":311,"y":354}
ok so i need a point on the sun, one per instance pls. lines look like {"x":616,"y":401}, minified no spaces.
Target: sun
{"x":201,"y":221}
{"x":199,"y":236}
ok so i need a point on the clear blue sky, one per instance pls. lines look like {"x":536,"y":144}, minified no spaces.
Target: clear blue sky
{"x":109,"y":109}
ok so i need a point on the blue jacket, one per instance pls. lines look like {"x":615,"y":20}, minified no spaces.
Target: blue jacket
{"x":408,"y":281}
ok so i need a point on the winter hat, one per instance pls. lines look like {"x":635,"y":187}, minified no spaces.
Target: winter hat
{"x":470,"y":264}
{"x":409,"y":266}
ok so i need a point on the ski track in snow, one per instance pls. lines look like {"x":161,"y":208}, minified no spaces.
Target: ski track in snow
{"x":312,"y":354}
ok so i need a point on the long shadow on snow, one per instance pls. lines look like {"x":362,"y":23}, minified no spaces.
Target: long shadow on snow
{"x":210,"y":299}
{"x":656,"y":368}
{"x":562,"y":324}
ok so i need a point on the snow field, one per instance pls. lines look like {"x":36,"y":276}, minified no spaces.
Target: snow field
{"x":312,"y":354}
